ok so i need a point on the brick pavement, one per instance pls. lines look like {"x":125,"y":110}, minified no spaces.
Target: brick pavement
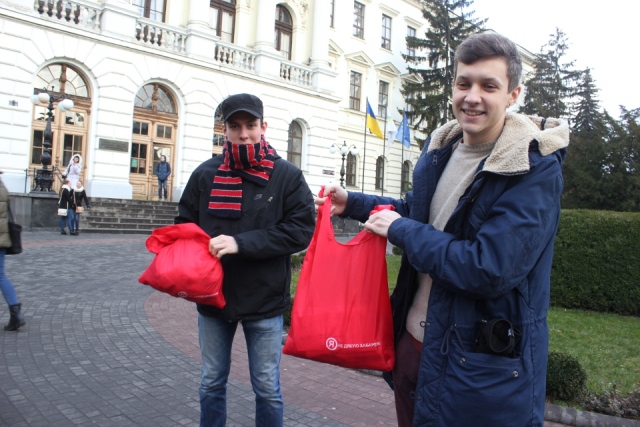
{"x":101,"y":349}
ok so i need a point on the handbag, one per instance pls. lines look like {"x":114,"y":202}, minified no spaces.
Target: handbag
{"x":79,"y":209}
{"x":342,"y":312}
{"x":62,"y":211}
{"x":183,"y":266}
{"x":14,"y":234}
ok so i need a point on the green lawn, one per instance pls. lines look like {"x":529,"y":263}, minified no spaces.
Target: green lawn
{"x":607,"y":345}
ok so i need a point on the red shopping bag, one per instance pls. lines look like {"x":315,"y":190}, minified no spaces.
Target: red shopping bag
{"x":183,"y":266}
{"x":342,"y":313}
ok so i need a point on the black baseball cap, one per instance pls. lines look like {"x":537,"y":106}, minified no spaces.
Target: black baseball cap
{"x":241,"y":102}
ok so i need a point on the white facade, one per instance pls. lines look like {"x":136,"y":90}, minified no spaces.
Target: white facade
{"x":117,"y":52}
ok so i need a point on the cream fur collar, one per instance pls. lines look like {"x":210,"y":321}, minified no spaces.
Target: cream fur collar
{"x":511,"y":153}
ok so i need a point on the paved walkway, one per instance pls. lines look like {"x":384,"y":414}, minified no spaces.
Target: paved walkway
{"x":101,"y":349}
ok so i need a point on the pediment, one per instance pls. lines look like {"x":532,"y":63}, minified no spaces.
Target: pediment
{"x":360,"y":58}
{"x":388,"y":68}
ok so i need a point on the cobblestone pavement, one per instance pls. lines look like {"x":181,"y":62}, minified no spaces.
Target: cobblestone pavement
{"x":100,"y":349}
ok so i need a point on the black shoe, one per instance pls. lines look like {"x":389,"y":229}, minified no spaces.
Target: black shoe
{"x":63,"y":232}
{"x":16,"y":320}
{"x":74,"y":233}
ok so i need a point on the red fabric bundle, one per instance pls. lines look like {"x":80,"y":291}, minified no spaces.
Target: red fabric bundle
{"x":183,"y":266}
{"x":342,"y":312}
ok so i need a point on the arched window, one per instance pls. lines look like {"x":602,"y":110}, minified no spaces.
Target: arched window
{"x":405,"y":184}
{"x":222,"y":19}
{"x":284,"y":31}
{"x":218,"y":134}
{"x":294,"y":154}
{"x":70,"y":128}
{"x":155,"y":120}
{"x":379,"y":172}
{"x":154,"y":97}
{"x":351,"y":169}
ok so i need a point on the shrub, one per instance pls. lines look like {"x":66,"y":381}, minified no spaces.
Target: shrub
{"x":396,"y":250}
{"x":297,"y":260}
{"x":609,"y":402}
{"x":596,"y":265}
{"x":566,"y":379}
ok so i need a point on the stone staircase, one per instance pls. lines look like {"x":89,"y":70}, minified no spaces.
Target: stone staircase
{"x":121,"y":216}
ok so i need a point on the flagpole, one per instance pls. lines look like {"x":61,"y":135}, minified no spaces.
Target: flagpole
{"x":384,"y":145}
{"x":364,"y":154}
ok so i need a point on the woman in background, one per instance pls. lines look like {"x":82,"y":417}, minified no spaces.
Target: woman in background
{"x":73,"y":171}
{"x":66,"y":202}
{"x":78,"y":196}
{"x":8,"y":292}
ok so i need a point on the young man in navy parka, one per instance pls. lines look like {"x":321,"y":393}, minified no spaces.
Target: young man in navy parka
{"x":477,"y":231}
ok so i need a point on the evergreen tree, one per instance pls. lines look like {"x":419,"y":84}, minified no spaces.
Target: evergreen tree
{"x":429,"y":100}
{"x":585,"y":166}
{"x":552,"y":82}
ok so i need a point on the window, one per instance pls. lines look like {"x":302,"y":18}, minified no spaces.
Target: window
{"x":140,"y":128}
{"x":72,"y":144}
{"x":332,"y":8}
{"x":351,"y":169}
{"x":405,"y":183}
{"x":163,"y":131}
{"x":154,"y":97}
{"x":222,"y":18}
{"x":294,"y":153}
{"x":218,"y":135}
{"x":379,"y":172}
{"x":36,"y":150}
{"x":358,"y":19}
{"x":386,"y":32}
{"x":152,"y":9}
{"x":383,"y":100}
{"x":138,"y":158}
{"x":354,"y":90}
{"x":284,"y":31}
{"x":411,"y":32}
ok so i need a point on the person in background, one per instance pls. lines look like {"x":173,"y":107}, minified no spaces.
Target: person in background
{"x":258,"y":210}
{"x":163,"y":170}
{"x":16,"y":319}
{"x":477,"y":231}
{"x":66,"y":202}
{"x":78,"y":196}
{"x":73,"y":171}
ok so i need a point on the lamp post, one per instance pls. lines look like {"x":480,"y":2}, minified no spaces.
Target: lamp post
{"x":44,"y":176}
{"x":343,"y":151}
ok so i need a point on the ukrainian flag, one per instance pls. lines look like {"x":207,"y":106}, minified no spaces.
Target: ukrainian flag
{"x":372,"y":123}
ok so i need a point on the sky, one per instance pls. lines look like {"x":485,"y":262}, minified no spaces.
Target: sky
{"x":600,"y":35}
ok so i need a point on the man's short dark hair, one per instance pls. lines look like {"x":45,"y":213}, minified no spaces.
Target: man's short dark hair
{"x":490,"y":45}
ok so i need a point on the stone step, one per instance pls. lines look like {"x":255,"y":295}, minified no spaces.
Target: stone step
{"x":127,"y":216}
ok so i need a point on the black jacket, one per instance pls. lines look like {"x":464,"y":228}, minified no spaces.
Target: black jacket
{"x":78,"y":197}
{"x":277,"y":221}
{"x":65,"y":201}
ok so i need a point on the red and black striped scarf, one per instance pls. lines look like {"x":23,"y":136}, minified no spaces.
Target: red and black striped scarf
{"x":253,"y":162}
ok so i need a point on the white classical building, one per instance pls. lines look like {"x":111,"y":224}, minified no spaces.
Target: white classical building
{"x":146,"y":78}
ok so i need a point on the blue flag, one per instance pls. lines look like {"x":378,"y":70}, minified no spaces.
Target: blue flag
{"x":403,"y":135}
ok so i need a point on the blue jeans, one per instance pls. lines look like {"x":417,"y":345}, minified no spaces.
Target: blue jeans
{"x":67,"y":220}
{"x":162,"y":183}
{"x":264,"y":348}
{"x":5,"y":285}
{"x":75,"y":222}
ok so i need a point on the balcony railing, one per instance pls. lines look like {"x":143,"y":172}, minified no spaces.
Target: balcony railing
{"x":157,"y":34}
{"x":234,"y":56}
{"x":73,"y":12}
{"x":295,"y":74}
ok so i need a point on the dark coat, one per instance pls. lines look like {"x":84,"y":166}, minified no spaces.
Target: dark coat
{"x":78,"y":197}
{"x":66,"y":200}
{"x":163,"y":170}
{"x":277,"y":221}
{"x":492,"y":261}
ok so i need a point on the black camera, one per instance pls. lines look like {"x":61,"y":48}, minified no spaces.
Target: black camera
{"x":498,"y":337}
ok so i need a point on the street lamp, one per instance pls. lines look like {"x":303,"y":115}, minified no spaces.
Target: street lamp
{"x":343,"y":151}
{"x":44,"y":176}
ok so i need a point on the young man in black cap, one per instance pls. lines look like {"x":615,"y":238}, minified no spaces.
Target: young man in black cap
{"x":258,"y":210}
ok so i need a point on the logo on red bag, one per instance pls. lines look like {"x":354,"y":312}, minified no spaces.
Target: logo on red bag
{"x":182,"y":294}
{"x":332,"y":344}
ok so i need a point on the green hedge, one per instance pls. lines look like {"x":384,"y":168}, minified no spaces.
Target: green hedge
{"x":596,"y":265}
